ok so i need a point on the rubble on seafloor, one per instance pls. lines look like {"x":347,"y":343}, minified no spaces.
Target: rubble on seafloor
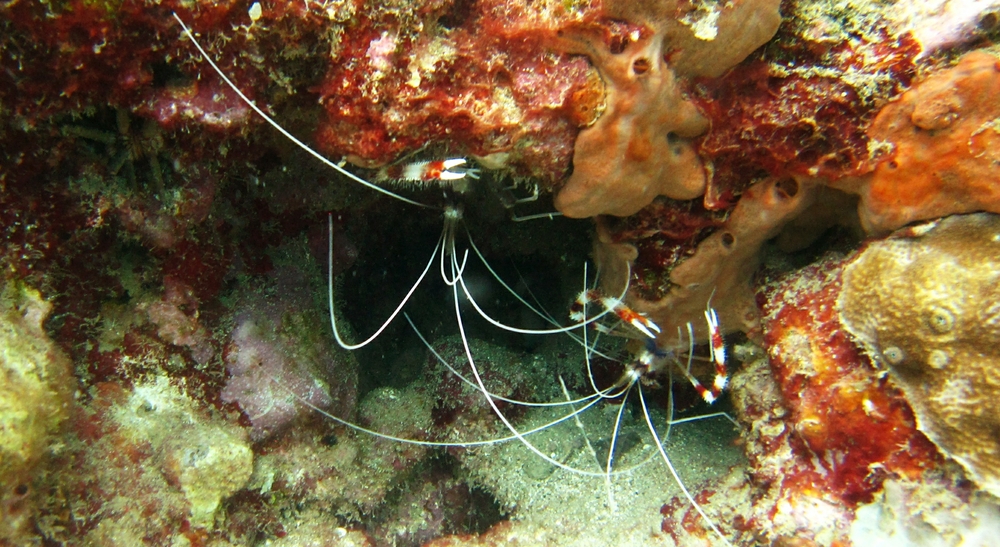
{"x":168,"y":372}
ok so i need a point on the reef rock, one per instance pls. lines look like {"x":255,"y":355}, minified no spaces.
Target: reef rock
{"x":35,"y":394}
{"x":196,"y":458}
{"x":928,"y":513}
{"x":925,"y":304}
{"x":281,"y":360}
{"x":940,"y":24}
{"x":839,"y":404}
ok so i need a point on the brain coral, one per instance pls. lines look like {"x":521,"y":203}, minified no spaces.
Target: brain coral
{"x":924,"y":303}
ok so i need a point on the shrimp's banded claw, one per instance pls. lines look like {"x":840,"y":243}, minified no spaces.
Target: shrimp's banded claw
{"x":638,"y":320}
{"x":578,"y":312}
{"x":449,"y":170}
{"x":718,"y":349}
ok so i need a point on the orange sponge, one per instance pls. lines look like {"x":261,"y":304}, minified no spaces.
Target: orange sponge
{"x":945,"y":134}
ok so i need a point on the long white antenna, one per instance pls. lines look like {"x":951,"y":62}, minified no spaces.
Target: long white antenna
{"x":284,"y":132}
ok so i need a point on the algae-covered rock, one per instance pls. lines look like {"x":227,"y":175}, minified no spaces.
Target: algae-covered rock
{"x":204,"y":456}
{"x":35,"y":395}
{"x":925,"y":303}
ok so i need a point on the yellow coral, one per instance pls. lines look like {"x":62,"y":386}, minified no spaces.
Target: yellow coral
{"x":35,"y":394}
{"x":925,"y":304}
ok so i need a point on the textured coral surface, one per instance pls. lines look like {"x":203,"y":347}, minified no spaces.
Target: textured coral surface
{"x":859,"y":430}
{"x":924,"y":303}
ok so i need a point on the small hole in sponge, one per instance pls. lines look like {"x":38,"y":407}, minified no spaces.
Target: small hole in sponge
{"x":21,"y":489}
{"x":893,"y":355}
{"x":892,"y":164}
{"x":989,"y":21}
{"x":641,"y":66}
{"x":728,"y":240}
{"x":788,"y":188}
{"x":941,"y":320}
{"x":618,"y":44}
{"x":674,"y":142}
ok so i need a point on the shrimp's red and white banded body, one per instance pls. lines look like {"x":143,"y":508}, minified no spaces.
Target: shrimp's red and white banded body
{"x":717,"y":348}
{"x":652,"y":358}
{"x":452,"y":171}
{"x":578,"y":311}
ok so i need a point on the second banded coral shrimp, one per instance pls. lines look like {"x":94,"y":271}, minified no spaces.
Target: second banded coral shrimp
{"x":526,"y":423}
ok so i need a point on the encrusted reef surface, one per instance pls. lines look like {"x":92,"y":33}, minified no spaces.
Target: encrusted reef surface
{"x":823,"y":174}
{"x":924,"y":303}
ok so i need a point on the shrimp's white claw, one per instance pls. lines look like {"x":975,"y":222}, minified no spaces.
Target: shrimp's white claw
{"x":428,"y":171}
{"x":454,"y":170}
{"x":449,"y":175}
{"x":639,"y":324}
{"x":649,"y":323}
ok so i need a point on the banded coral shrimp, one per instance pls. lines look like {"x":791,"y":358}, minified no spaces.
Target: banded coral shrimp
{"x":451,"y":264}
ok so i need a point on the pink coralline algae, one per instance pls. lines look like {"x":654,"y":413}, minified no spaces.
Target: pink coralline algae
{"x":941,"y":24}
{"x":176,"y":319}
{"x":205,"y":103}
{"x":266,"y":382}
{"x":468,"y":84}
{"x":279,"y":359}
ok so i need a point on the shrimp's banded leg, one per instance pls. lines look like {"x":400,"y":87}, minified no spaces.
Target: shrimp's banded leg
{"x":717,"y":349}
